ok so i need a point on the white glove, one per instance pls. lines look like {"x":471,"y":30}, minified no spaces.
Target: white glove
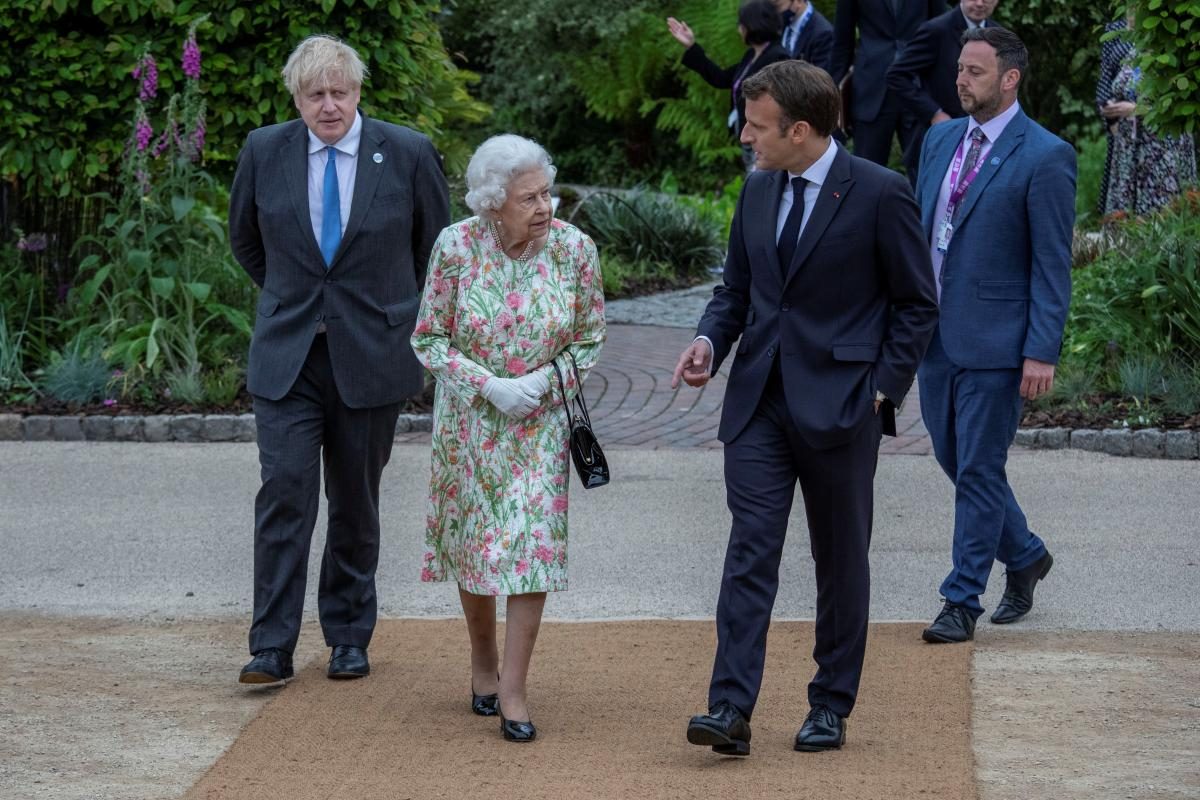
{"x":535,"y":382}
{"x":510,"y":396}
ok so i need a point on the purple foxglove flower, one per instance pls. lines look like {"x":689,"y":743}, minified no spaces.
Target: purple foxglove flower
{"x":191,"y":58}
{"x":147,"y":71}
{"x":32,"y":243}
{"x":144,"y":133}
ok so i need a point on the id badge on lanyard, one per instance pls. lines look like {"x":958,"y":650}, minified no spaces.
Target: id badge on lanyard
{"x":945,"y":231}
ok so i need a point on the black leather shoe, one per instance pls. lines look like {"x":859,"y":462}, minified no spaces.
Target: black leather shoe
{"x":954,"y":623}
{"x":1018,"y":590}
{"x":823,"y":729}
{"x":347,"y":661}
{"x":485,"y":705}
{"x":516,"y":731}
{"x":723,"y":728}
{"x":268,"y":666}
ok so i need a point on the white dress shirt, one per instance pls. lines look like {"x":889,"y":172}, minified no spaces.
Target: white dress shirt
{"x":347,"y":170}
{"x":991,"y":132}
{"x":816,"y":175}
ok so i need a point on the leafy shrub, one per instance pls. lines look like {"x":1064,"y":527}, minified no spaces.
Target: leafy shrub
{"x":1182,"y":395}
{"x":640,"y":226}
{"x":79,"y":374}
{"x":1142,"y":295}
{"x":184,"y":386}
{"x":1167,"y":37}
{"x":1141,"y":377}
{"x":1074,"y":385}
{"x":632,"y":278}
{"x":220,"y":386}
{"x":1092,"y":154}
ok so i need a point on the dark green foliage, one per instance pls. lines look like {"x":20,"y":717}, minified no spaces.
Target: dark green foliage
{"x":66,"y":71}
{"x":221,"y":386}
{"x":1092,"y":152}
{"x":1167,"y":36}
{"x":1183,"y":388}
{"x":1063,"y":37}
{"x":640,"y":226}
{"x":1142,"y":295}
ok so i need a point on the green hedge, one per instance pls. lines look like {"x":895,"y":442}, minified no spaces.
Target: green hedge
{"x":1167,"y":36}
{"x":66,"y":72}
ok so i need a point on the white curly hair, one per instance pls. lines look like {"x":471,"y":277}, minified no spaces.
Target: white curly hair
{"x":493,"y":166}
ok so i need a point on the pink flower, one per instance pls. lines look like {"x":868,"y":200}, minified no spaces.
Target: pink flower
{"x":423,"y":326}
{"x":516,"y":366}
{"x":427,"y":575}
{"x":513,"y":300}
{"x":489,"y":445}
{"x":543,"y":554}
{"x":522,"y":567}
{"x":108,"y":401}
{"x":559,"y":504}
{"x":504,"y":320}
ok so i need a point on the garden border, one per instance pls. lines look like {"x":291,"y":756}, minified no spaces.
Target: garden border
{"x":196,"y":428}
{"x":199,"y":428}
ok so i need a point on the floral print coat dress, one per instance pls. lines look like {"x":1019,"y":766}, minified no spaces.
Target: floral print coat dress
{"x":497,"y":511}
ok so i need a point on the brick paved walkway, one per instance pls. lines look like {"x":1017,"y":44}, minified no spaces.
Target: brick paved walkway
{"x":632,"y":404}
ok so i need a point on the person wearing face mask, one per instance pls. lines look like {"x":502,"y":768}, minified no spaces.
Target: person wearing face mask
{"x":514,"y":300}
{"x":759,"y":25}
{"x":924,"y":74}
{"x":333,"y":216}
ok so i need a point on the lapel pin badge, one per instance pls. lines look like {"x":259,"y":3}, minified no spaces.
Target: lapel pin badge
{"x":995,"y":162}
{"x":837,"y":195}
{"x":377,"y":158}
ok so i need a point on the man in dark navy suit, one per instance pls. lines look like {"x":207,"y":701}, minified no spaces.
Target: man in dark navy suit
{"x":882,"y":27}
{"x":828,"y":295}
{"x":807,"y":35}
{"x":924,"y":75}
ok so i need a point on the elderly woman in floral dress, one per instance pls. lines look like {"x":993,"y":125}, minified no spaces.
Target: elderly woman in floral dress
{"x":511,"y":293}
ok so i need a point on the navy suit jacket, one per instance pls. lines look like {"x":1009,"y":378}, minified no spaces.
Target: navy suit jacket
{"x":696,"y":59}
{"x":850,"y":315}
{"x":881,"y":35}
{"x":1006,"y":278}
{"x":369,"y":295}
{"x":815,"y":44}
{"x":925,"y":74}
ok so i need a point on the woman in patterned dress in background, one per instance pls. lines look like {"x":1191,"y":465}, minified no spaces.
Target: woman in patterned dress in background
{"x":1143,"y":170}
{"x":510,"y":292}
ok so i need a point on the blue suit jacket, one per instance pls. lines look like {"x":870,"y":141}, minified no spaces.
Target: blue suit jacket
{"x":850,"y":315}
{"x":1006,"y":278}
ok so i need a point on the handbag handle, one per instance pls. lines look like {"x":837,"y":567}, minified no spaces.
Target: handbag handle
{"x":580,"y":403}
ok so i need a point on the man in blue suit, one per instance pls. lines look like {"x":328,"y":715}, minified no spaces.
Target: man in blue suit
{"x":997,"y":194}
{"x":828,"y":295}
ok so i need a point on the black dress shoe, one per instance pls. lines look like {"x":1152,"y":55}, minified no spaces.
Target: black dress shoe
{"x":823,"y":729}
{"x":1018,"y":590}
{"x":723,"y":728}
{"x":347,"y":661}
{"x":268,"y":666}
{"x":516,"y":731}
{"x":485,"y":705}
{"x":954,"y":623}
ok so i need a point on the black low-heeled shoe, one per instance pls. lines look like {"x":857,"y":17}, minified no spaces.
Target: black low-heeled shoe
{"x":485,"y":705}
{"x":517,"y":731}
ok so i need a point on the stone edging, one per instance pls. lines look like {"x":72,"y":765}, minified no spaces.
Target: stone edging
{"x":1146,"y":443}
{"x":152,"y":428}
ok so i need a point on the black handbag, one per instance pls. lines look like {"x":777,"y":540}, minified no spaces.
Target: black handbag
{"x":589,"y":459}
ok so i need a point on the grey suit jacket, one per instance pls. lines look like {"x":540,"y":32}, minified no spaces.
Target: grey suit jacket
{"x":368,"y":297}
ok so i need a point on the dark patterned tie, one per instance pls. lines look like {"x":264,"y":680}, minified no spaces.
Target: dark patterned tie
{"x":977,"y":140}
{"x":791,"y":226}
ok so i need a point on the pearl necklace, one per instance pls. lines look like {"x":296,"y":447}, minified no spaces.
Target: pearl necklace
{"x":525,"y":254}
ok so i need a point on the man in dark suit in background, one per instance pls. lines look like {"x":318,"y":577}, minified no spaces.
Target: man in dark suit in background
{"x":925,"y":74}
{"x":882,"y":28}
{"x":334,"y":216}
{"x":829,"y":296}
{"x":807,"y":35}
{"x":997,"y":196}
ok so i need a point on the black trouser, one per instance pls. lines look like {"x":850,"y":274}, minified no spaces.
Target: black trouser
{"x":294,"y":432}
{"x":873,"y":139}
{"x":762,"y":466}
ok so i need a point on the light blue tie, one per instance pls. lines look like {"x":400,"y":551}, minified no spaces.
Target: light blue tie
{"x":331,"y":210}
